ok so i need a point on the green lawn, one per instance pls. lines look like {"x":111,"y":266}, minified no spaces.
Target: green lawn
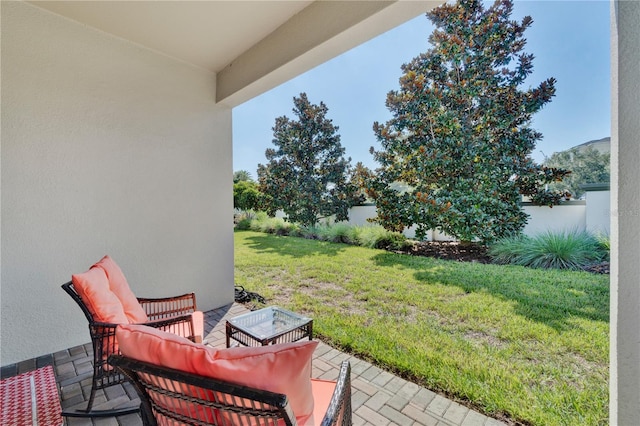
{"x":531,"y":344}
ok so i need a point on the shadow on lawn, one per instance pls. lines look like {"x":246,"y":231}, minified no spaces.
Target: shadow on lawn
{"x":293,"y":246}
{"x":548,"y":297}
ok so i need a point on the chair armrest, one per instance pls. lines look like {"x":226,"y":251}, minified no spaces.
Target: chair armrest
{"x":181,"y":325}
{"x":160,"y":308}
{"x":339,"y":411}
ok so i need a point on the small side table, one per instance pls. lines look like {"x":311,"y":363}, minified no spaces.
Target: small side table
{"x":268,"y":326}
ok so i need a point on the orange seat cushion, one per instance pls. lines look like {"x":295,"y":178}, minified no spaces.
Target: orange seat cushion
{"x":93,"y":288}
{"x":322,"y":392}
{"x":120,"y":287}
{"x":283,"y":368}
{"x":197,"y":318}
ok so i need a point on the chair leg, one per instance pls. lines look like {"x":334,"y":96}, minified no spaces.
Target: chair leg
{"x":116,"y":412}
{"x":123,"y":411}
{"x":113,"y":412}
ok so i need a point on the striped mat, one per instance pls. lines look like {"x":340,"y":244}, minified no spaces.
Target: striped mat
{"x":31,"y":399}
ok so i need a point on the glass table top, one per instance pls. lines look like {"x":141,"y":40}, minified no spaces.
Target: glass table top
{"x":268,"y":322}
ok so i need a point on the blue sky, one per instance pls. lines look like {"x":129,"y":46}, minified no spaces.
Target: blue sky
{"x":570,"y":41}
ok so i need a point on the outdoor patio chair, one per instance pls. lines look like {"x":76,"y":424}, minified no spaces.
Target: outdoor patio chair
{"x":180,"y":382}
{"x":104,"y":296}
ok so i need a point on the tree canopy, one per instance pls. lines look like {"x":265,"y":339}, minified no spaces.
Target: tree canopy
{"x":307,"y":175}
{"x":242,"y":176}
{"x":455,"y":155}
{"x":246,"y":195}
{"x":586,"y":165}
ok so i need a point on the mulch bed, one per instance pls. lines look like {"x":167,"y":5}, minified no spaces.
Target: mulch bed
{"x":449,"y":251}
{"x":600,"y":268}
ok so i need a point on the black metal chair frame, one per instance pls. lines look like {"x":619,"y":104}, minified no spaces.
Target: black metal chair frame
{"x":167,"y":314}
{"x":172,"y":395}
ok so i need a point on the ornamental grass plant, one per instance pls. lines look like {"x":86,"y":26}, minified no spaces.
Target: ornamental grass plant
{"x":558,"y":250}
{"x":336,"y":233}
{"x":372,"y":236}
{"x":377,"y":237}
{"x":261,"y":222}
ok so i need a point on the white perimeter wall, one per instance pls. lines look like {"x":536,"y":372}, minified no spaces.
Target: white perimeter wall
{"x":569,"y":216}
{"x":592,"y":215}
{"x":107,"y":148}
{"x":598,"y":218}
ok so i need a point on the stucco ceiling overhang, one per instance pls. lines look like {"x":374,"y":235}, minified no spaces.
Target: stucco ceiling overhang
{"x":252,"y":46}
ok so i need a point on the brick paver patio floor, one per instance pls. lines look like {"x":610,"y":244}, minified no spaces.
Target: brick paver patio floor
{"x":378,"y":398}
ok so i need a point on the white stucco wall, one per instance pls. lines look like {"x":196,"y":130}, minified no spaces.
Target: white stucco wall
{"x":358,"y":215}
{"x":624,"y":384}
{"x":598,"y":214}
{"x":107,"y":148}
{"x":569,"y":216}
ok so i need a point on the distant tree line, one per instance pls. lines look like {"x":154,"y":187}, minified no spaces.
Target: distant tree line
{"x":587,"y":166}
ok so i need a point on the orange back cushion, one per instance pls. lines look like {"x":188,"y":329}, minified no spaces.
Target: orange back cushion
{"x":120,"y":287}
{"x":283,"y":368}
{"x":93,"y":288}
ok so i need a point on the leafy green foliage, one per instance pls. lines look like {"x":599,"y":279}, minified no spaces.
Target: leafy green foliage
{"x":246,"y":195}
{"x":244,"y":224}
{"x":359,"y":177}
{"x":242,"y":176}
{"x":366,"y":236}
{"x":587,"y":166}
{"x":460,"y":138}
{"x":307,"y":174}
{"x":273,"y":225}
{"x":335,"y":233}
{"x":371,"y":236}
{"x":378,"y":237}
{"x":550,"y":250}
{"x":243,"y":220}
{"x":605,"y":243}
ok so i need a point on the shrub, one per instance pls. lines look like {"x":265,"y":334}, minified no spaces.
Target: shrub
{"x":258,"y":222}
{"x":559,"y":250}
{"x":243,"y":224}
{"x":372,"y":236}
{"x":321,"y":232}
{"x":309,"y":232}
{"x":337,"y":233}
{"x":605,"y":243}
{"x":260,"y":216}
{"x":367,"y":236}
{"x":271,"y":225}
{"x":264,"y":223}
{"x":294,"y":229}
{"x":508,"y":250}
{"x":378,"y":237}
{"x":392,"y":241}
{"x":243,"y":220}
{"x":282,"y":227}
